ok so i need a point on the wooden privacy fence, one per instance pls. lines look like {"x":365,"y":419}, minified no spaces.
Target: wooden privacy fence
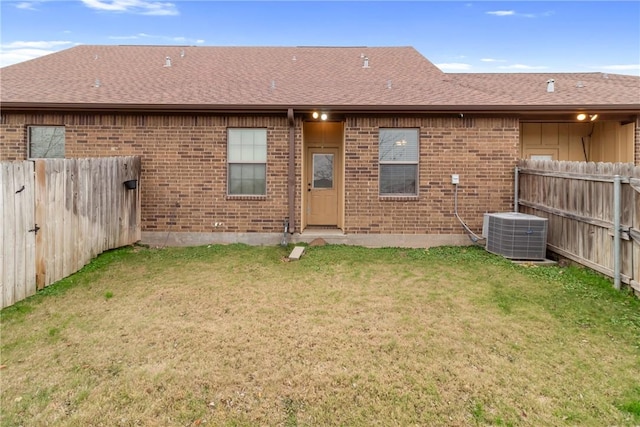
{"x":58,"y":214}
{"x":578,"y":200}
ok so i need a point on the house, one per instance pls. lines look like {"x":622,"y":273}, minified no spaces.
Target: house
{"x":354,"y":144}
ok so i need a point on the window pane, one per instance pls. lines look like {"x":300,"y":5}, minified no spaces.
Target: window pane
{"x":398,"y":179}
{"x":247,"y":145}
{"x":323,"y":171}
{"x":247,"y":179}
{"x":398,"y":145}
{"x":46,"y":142}
{"x":235,"y":153}
{"x":246,"y":153}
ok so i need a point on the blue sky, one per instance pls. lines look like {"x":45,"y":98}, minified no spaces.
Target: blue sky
{"x":457,"y":36}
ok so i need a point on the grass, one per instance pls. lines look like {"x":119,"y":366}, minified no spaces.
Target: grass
{"x":235,"y":336}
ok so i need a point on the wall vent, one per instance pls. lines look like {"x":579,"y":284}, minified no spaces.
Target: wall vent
{"x":516,"y":235}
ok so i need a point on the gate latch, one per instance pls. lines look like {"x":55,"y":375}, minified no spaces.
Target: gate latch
{"x":34,"y":229}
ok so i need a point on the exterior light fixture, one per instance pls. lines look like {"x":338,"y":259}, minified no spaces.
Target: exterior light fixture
{"x":314,"y":115}
{"x":581,"y":116}
{"x":323,"y":116}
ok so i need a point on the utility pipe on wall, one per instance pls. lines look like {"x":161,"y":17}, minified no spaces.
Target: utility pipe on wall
{"x":617,"y":211}
{"x":515,"y":191}
{"x":291,"y":179}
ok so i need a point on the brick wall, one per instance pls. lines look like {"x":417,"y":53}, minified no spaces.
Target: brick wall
{"x":13,"y":139}
{"x":183,"y":165}
{"x":184,"y":169}
{"x":482,"y":151}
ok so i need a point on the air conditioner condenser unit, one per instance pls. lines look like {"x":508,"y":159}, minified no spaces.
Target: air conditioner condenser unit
{"x":516,"y":235}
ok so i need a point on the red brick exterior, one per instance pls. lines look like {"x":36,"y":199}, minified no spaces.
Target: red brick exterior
{"x":483,"y":152}
{"x":184,"y":169}
{"x":13,"y":137}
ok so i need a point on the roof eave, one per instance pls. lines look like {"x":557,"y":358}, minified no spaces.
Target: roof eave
{"x":633,"y":109}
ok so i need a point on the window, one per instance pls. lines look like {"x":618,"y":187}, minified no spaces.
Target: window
{"x":46,"y":142}
{"x":322,"y":170}
{"x":247,"y":157}
{"x":398,"y":158}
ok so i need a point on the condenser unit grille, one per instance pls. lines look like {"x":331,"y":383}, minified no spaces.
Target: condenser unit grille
{"x":516,"y":235}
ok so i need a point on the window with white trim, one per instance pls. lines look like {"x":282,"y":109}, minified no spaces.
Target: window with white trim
{"x":398,"y":157}
{"x":46,"y":142}
{"x":247,"y":161}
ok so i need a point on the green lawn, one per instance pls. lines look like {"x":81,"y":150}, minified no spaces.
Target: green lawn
{"x":236,"y":335}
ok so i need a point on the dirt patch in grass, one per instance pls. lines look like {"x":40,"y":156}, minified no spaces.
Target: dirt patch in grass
{"x":231,"y":335}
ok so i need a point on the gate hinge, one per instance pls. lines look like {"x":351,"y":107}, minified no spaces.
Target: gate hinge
{"x":34,"y":229}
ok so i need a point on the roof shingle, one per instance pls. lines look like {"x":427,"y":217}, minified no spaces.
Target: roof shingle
{"x":219,"y":77}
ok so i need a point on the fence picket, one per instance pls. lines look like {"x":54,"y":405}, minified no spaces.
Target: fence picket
{"x":8,"y":260}
{"x":3,"y":226}
{"x":41,"y":214}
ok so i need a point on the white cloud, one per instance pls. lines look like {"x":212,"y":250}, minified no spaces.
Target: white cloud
{"x":36,"y":44}
{"x":514,"y":13}
{"x":20,"y":55}
{"x":522,"y":67}
{"x":627,"y":67}
{"x":123,"y":37}
{"x":140,"y":7}
{"x":172,"y":39}
{"x":28,"y":5}
{"x":453,"y":66}
{"x":492,"y":60}
{"x":502,"y":13}
{"x":19,"y":51}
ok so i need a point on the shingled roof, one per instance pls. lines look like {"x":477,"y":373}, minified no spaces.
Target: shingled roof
{"x":264,"y":78}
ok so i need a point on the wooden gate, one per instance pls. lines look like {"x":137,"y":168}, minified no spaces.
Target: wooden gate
{"x":17,"y":232}
{"x":58,"y":214}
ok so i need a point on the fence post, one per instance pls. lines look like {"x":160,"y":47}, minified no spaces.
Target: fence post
{"x":617,"y":211}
